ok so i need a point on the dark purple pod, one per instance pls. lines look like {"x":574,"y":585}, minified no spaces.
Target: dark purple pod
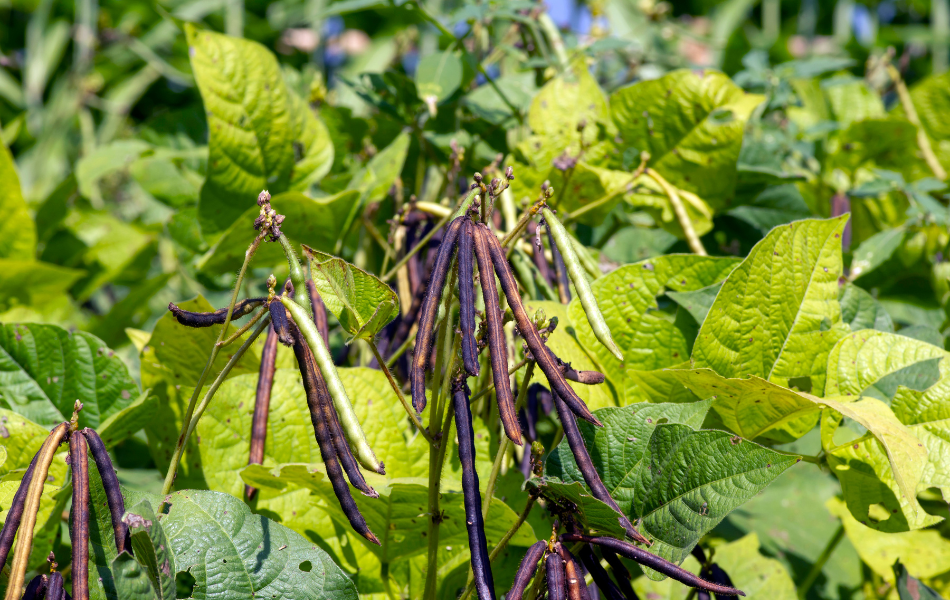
{"x":526,"y":570}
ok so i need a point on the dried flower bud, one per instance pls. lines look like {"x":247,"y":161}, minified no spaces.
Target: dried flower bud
{"x":510,"y":173}
{"x":478,"y":177}
{"x":263,"y":198}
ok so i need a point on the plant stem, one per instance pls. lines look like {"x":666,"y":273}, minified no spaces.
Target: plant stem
{"x":244,"y":329}
{"x":399,"y":351}
{"x":923,"y":142}
{"x":180,"y":446}
{"x":189,"y":426}
{"x":503,"y":542}
{"x":398,"y":390}
{"x":522,"y":223}
{"x":568,"y":217}
{"x":680,"y":210}
{"x":511,"y":371}
{"x":819,"y":565}
{"x":505,"y":442}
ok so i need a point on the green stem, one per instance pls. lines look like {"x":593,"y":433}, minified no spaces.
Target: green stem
{"x":819,"y":565}
{"x":399,"y":352}
{"x":182,"y":437}
{"x":190,"y":425}
{"x":398,"y":390}
{"x":522,"y":223}
{"x":568,"y":217}
{"x":384,"y":575}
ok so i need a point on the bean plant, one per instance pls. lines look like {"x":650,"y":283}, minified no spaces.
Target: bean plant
{"x":491,"y":309}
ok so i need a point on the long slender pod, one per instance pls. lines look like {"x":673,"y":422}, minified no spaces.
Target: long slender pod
{"x":554,"y":571}
{"x":341,"y":401}
{"x":79,"y":522}
{"x":36,"y":589}
{"x":265,"y":384}
{"x":207,"y":319}
{"x":308,"y":371}
{"x":574,"y":575}
{"x":562,"y":239}
{"x":560,"y":270}
{"x":599,"y":574}
{"x":21,"y":556}
{"x":279,"y":323}
{"x":621,"y":574}
{"x":297,"y":276}
{"x":319,"y":312}
{"x":530,"y":333}
{"x":429,"y":313}
{"x":481,"y":564}
{"x":55,"y":590}
{"x":467,"y":298}
{"x":497,"y":349}
{"x":526,"y":570}
{"x":653,"y":561}
{"x":15,"y":512}
{"x":110,"y":483}
{"x":586,"y":466}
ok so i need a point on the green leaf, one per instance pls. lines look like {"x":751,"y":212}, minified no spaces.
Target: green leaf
{"x":875,"y":251}
{"x":20,"y":440}
{"x":46,"y":369}
{"x":861,"y":311}
{"x":592,"y":514}
{"x":772,"y":207}
{"x":851,"y":100}
{"x":362,"y":302}
{"x":649,"y":337}
{"x":925,"y":552}
{"x":932,"y":101}
{"x":152,"y":549}
{"x":438,"y":76}
{"x":877,"y":143}
{"x":260,"y":135}
{"x":131,"y":310}
{"x":216,"y":538}
{"x":33,"y":285}
{"x":777,"y":315}
{"x":374,"y":180}
{"x":692,"y":127}
{"x":105,"y":160}
{"x":649,"y":196}
{"x":678,"y":483}
{"x":17,"y":230}
{"x":131,"y":419}
{"x":315,"y":222}
{"x":910,"y":588}
{"x":484,"y":101}
{"x":697,"y":302}
{"x":131,"y":580}
{"x":163,"y":179}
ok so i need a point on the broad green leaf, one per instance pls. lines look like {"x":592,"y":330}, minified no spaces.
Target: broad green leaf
{"x":649,"y":196}
{"x":697,"y":302}
{"x":220,"y":542}
{"x":566,"y":344}
{"x":105,"y":160}
{"x":398,"y":515}
{"x":260,"y":136}
{"x":315,"y":222}
{"x":166,"y":181}
{"x":374,"y":180}
{"x":17,"y":230}
{"x":925,"y":553}
{"x":777,"y":315}
{"x":774,"y":206}
{"x":133,"y":418}
{"x":33,"y":285}
{"x":484,"y":101}
{"x":760,"y":577}
{"x":861,"y":311}
{"x":133,"y":309}
{"x":875,"y":251}
{"x":151,"y":548}
{"x":932,"y":101}
{"x":131,"y":580}
{"x":876,"y":143}
{"x":650,"y":337}
{"x":591,"y":513}
{"x":678,"y":483}
{"x":692,"y":127}
{"x":360,"y":300}
{"x":21,"y":439}
{"x":47,"y":369}
{"x":851,"y":100}
{"x":438,"y":76}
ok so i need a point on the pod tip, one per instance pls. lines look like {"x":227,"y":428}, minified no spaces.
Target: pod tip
{"x":369,"y":535}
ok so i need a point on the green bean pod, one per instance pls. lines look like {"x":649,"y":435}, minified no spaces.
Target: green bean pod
{"x":596,"y":319}
{"x":297,"y":277}
{"x":341,"y":401}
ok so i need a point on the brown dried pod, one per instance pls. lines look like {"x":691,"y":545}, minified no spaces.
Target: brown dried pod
{"x":265,"y":384}
{"x":319,"y":312}
{"x":15,"y":513}
{"x":554,"y":571}
{"x":279,"y":322}
{"x":55,"y":589}
{"x":573,"y":575}
{"x":207,"y":319}
{"x":36,"y":589}
{"x":467,"y":298}
{"x":79,"y":521}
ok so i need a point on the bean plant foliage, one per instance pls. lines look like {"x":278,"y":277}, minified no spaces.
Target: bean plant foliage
{"x":502,"y":319}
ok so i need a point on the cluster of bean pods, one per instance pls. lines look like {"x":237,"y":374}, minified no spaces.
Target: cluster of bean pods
{"x":298,"y":319}
{"x":22,"y":514}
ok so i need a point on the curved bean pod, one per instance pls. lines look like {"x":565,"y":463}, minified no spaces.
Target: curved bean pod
{"x":599,"y":574}
{"x":574,"y":575}
{"x":15,"y":513}
{"x":278,"y":321}
{"x":596,"y":319}
{"x":44,"y":458}
{"x":526,"y":570}
{"x":467,"y":298}
{"x":79,"y":523}
{"x":429,"y":313}
{"x":661,"y":565}
{"x":207,"y":319}
{"x":331,"y":461}
{"x":529,"y":332}
{"x":36,"y":589}
{"x":576,"y":442}
{"x":561,"y":274}
{"x":498,"y":351}
{"x":319,"y":311}
{"x":341,"y":401}
{"x":554,"y":571}
{"x":110,"y":483}
{"x":481,"y":564}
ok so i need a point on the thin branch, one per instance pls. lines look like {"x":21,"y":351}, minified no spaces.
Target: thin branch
{"x":402,"y":397}
{"x":680,"y":210}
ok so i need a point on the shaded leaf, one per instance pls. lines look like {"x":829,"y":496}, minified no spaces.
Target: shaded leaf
{"x":861,"y":311}
{"x":17,"y":230}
